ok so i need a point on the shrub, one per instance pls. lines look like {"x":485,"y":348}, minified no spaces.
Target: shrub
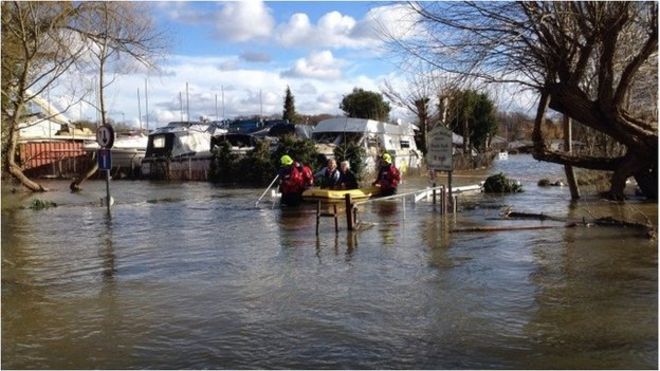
{"x":498,"y":183}
{"x":223,"y":164}
{"x":38,"y":204}
{"x":301,"y":150}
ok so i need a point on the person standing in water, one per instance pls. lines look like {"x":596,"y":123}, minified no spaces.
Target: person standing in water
{"x":388,"y":176}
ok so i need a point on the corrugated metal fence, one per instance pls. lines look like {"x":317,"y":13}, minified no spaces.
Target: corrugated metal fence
{"x":53,"y":158}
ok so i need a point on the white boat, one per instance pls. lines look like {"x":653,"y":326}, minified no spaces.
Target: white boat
{"x":127,"y":151}
{"x":180,"y":151}
{"x":374,"y":136}
{"x":503,"y":155}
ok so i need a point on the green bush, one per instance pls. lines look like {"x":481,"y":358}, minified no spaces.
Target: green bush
{"x":38,"y":204}
{"x":301,"y":150}
{"x":224,"y":164}
{"x":355,"y":154}
{"x":259,"y":166}
{"x":498,"y":183}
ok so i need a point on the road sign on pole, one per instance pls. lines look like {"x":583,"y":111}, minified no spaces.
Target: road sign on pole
{"x":105,"y":136}
{"x":440,"y":149}
{"x":104,"y":159}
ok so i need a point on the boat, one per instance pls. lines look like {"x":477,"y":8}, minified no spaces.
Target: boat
{"x":239,"y":144}
{"x":325,"y":194}
{"x":127,"y":151}
{"x":375,"y":136}
{"x":503,"y":155}
{"x":180,"y":151}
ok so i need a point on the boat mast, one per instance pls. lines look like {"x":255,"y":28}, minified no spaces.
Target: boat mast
{"x":222,"y":89}
{"x":216,"y":108}
{"x":139,"y":110}
{"x":187,"y":103}
{"x":146,"y":104}
{"x":181,"y":106}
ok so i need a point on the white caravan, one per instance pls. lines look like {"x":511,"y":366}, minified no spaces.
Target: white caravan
{"x":375,"y":136}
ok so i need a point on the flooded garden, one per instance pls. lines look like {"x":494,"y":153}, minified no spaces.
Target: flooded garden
{"x":193,"y":275}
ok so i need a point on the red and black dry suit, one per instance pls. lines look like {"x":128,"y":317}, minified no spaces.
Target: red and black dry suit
{"x":294,"y":180}
{"x":388,"y":179}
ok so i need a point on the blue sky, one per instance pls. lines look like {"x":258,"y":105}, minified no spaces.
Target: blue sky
{"x":253,"y":50}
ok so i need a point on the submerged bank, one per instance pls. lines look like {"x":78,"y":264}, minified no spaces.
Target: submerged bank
{"x":190,"y":275}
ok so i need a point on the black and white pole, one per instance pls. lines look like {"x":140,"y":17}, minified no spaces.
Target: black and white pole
{"x":105,"y":137}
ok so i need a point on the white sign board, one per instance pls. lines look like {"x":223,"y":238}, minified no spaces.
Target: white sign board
{"x":105,"y":136}
{"x":439,"y":149}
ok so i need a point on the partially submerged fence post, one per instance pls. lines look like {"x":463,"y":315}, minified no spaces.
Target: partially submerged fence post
{"x":349,"y":212}
{"x":434,"y":197}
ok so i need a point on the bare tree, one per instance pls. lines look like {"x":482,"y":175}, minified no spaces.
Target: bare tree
{"x":37,"y":51}
{"x":588,"y":60}
{"x":117,"y":34}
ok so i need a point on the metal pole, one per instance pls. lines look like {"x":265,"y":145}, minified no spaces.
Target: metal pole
{"x":181,"y":106}
{"x":187,"y":103}
{"x":139,"y":110}
{"x":107,"y":189}
{"x":270,"y":185}
{"x":434,"y":197}
{"x":217,"y":118}
{"x":449,"y":185}
{"x":222,"y":88}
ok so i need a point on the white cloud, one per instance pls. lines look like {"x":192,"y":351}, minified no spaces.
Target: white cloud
{"x":243,"y":21}
{"x":242,"y":88}
{"x":318,"y":65}
{"x":335,"y":30}
{"x":398,"y":21}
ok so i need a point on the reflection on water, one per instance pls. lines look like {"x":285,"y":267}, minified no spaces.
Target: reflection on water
{"x":189,"y":275}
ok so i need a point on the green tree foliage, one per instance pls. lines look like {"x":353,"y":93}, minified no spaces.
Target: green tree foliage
{"x":473,"y":117}
{"x":259,"y":166}
{"x":301,"y":150}
{"x":365,"y":105}
{"x":290,"y":108}
{"x":223,"y":164}
{"x":354,"y":154}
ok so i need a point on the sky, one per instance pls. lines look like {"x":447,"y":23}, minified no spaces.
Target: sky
{"x":245,"y":54}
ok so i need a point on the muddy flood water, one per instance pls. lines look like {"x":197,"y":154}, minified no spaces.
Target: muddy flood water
{"x":192,"y":275}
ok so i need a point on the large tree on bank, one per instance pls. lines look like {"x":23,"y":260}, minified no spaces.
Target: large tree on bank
{"x":365,"y":104}
{"x":41,"y":41}
{"x":36,"y":51}
{"x":595,"y":62}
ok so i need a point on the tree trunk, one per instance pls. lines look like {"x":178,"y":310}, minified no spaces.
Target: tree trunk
{"x":77,"y":181}
{"x":13,"y":168}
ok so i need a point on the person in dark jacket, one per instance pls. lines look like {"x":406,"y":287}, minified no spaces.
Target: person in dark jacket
{"x":346,"y":178}
{"x":388,"y":176}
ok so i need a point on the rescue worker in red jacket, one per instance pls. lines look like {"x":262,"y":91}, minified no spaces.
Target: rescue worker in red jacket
{"x":388,"y":176}
{"x":294,"y":179}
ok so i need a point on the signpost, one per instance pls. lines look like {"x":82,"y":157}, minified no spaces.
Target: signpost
{"x":105,"y":137}
{"x":439,"y":154}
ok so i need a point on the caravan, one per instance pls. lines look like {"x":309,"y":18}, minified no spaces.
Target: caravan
{"x":375,"y":136}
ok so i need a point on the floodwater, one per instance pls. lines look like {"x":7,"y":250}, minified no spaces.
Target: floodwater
{"x":191,"y":275}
